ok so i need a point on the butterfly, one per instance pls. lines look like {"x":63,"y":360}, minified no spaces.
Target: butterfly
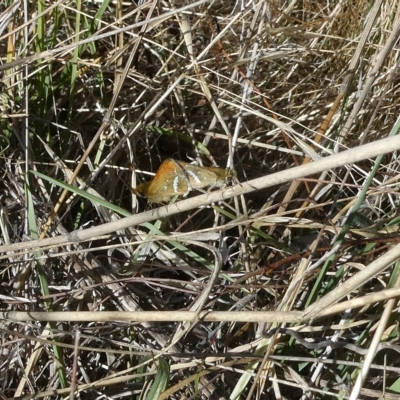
{"x":178,"y":178}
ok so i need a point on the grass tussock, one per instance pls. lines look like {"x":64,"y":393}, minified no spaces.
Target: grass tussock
{"x":290,"y":283}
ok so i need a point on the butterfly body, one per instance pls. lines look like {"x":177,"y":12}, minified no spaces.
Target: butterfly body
{"x":178,"y":178}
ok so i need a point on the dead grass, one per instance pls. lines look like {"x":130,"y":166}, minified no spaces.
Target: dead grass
{"x":98,"y":94}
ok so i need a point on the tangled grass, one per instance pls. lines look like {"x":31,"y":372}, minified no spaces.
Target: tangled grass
{"x":280,"y":287}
